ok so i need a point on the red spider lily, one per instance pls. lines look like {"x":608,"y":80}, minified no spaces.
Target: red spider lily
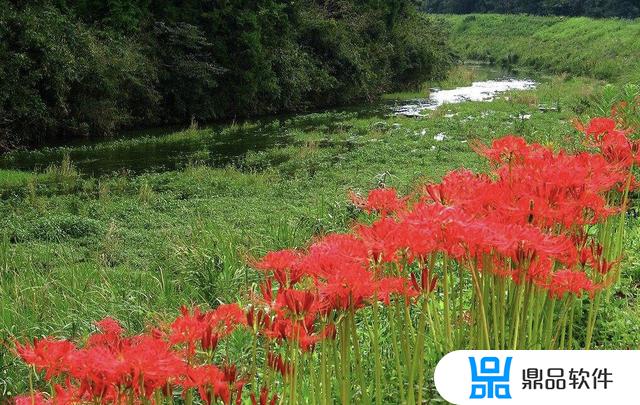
{"x":329,"y":331}
{"x":266,"y":289}
{"x":423,"y":228}
{"x":586,"y":256}
{"x":149,"y":363}
{"x":143,"y":364}
{"x":499,"y":266}
{"x":210,"y":382}
{"x":599,"y":126}
{"x":48,"y":354}
{"x":68,"y":395}
{"x":110,"y":326}
{"x":383,"y":239}
{"x":399,"y":286}
{"x":284,"y":265}
{"x":298,"y":303}
{"x":454,"y":187}
{"x":257,"y":319}
{"x":226,"y":317}
{"x":331,"y":253}
{"x":602,"y":265}
{"x":524,"y":243}
{"x":618,"y":149}
{"x":231,"y":377}
{"x":305,"y":340}
{"x":300,"y":331}
{"x":436,"y":193}
{"x":205,"y":328}
{"x":427,"y":283}
{"x":614,"y":144}
{"x":538,"y":272}
{"x":98,"y":371}
{"x":189,"y":328}
{"x":350,"y":288}
{"x":37,"y":398}
{"x":111,"y":332}
{"x":508,"y":149}
{"x":279,"y":260}
{"x":213,"y":383}
{"x":382,"y":200}
{"x":276,"y":362}
{"x":555,"y":189}
{"x":569,"y":281}
{"x":264,"y":398}
{"x":280,"y":329}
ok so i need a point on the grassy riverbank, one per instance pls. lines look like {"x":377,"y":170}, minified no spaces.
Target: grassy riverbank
{"x":75,"y":248}
{"x":603,"y":48}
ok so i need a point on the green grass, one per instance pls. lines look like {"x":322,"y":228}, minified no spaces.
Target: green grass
{"x":75,"y":248}
{"x":603,"y":48}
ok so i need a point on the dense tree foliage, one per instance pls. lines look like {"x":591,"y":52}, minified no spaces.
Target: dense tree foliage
{"x":89,"y":67}
{"x":590,"y":8}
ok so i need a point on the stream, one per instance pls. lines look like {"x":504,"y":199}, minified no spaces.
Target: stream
{"x":223,"y":144}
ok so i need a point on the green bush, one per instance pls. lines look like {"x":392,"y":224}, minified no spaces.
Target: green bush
{"x":89,"y":68}
{"x":60,"y":78}
{"x":55,"y":228}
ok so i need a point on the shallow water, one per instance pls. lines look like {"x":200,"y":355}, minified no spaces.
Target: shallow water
{"x":219,"y":145}
{"x":478,"y":91}
{"x":148,"y":152}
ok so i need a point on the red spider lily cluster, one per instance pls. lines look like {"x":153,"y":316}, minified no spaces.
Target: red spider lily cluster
{"x":496,"y":260}
{"x":113,"y":368}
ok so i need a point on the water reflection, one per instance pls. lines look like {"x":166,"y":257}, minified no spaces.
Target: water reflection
{"x":478,"y":91}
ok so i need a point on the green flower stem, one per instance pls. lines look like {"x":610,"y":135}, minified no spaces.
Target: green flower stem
{"x":418,"y":356}
{"x":525,"y":315}
{"x":358,"y":358}
{"x":460,"y":331}
{"x":494,"y":313}
{"x":314,"y":384}
{"x":502,"y":311}
{"x":404,"y":342}
{"x":447,"y":311}
{"x":324,"y":391}
{"x":558,"y":340}
{"x":293,"y":383}
{"x":591,"y":319}
{"x":571,"y":318}
{"x":254,"y":361}
{"x":375,"y":330}
{"x":396,"y":355}
{"x":548,"y":324}
{"x":345,"y":363}
{"x":516,"y":310}
{"x":483,"y":316}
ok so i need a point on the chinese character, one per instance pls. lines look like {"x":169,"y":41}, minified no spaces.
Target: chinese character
{"x":578,"y":378}
{"x":532,"y":379}
{"x":489,"y":382}
{"x":601,"y":376}
{"x":555,"y":379}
